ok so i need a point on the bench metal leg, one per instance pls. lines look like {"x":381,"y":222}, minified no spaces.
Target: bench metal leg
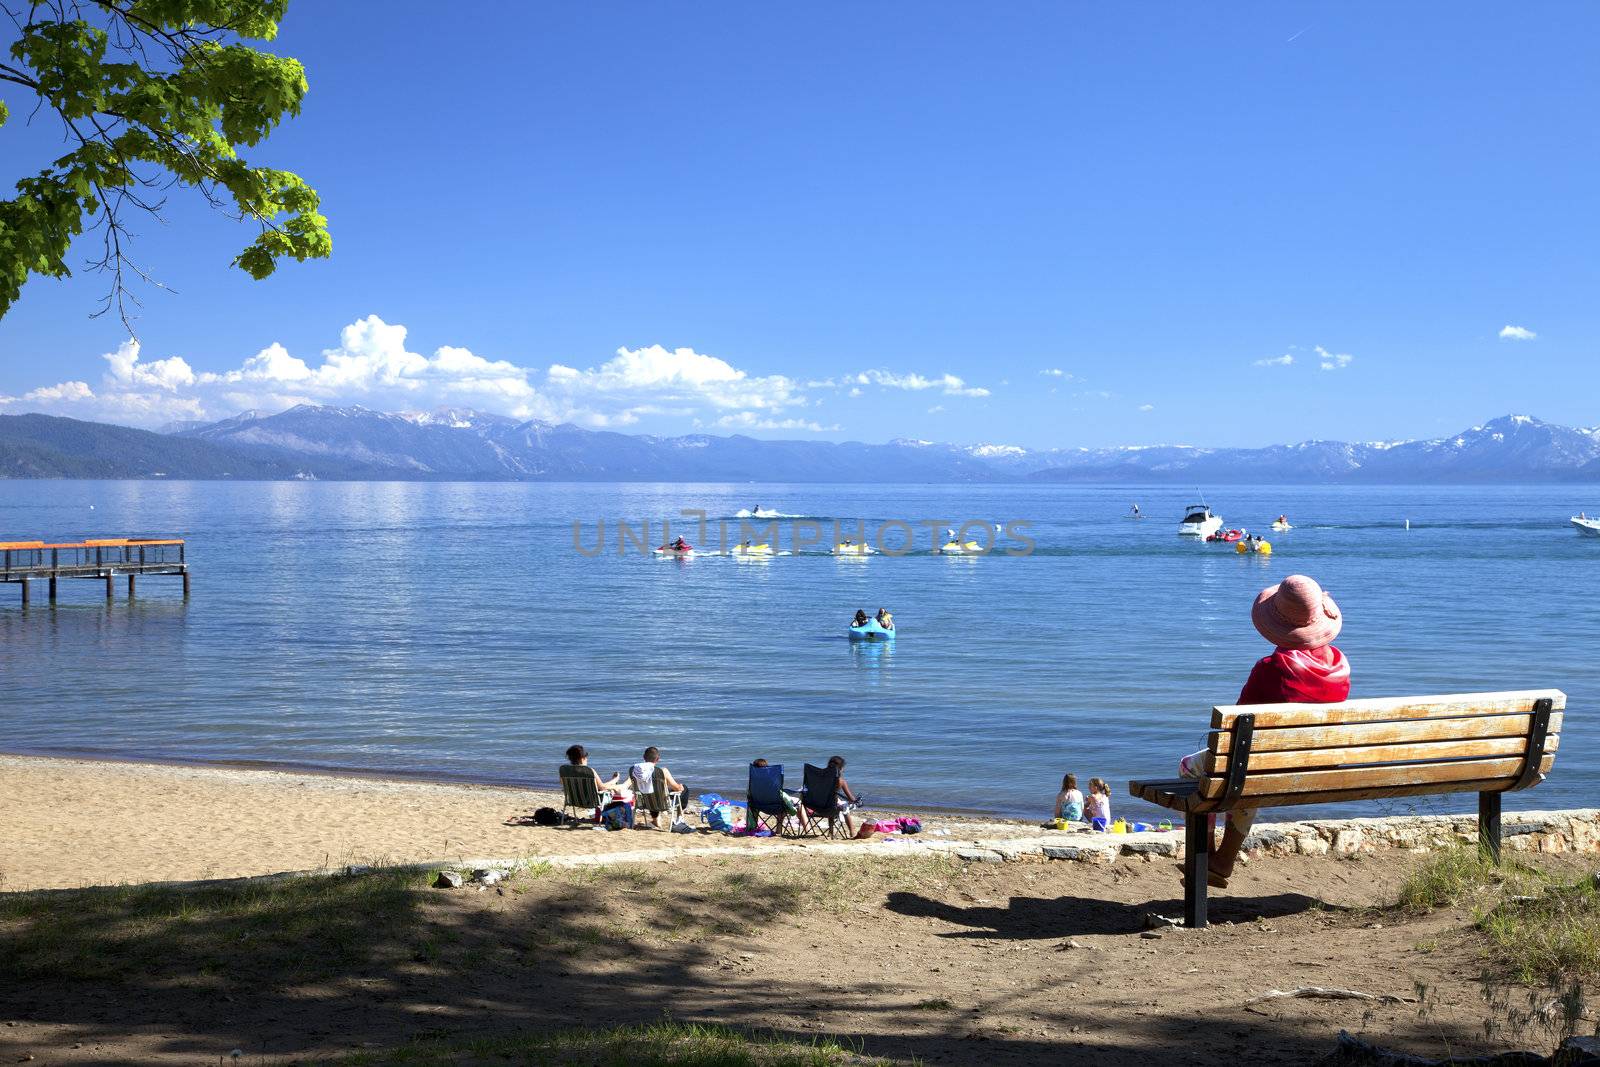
{"x":1196,"y":854}
{"x":1489,"y":825}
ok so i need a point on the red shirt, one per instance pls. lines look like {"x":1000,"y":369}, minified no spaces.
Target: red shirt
{"x":1298,"y":676}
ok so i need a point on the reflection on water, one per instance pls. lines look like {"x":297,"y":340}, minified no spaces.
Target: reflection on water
{"x":452,"y":628}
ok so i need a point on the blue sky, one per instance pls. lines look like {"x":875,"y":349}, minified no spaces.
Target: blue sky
{"x":870,"y":221}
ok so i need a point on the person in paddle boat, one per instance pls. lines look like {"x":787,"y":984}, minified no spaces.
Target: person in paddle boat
{"x":1301,"y":621}
{"x":860,"y":620}
{"x":884,"y":619}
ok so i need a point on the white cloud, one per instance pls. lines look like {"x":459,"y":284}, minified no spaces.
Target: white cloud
{"x":1053,"y":372}
{"x":936,"y":409}
{"x":948,"y":383}
{"x":1333,"y":360}
{"x":681,"y":375}
{"x":1274,"y":361}
{"x":1517,"y":333}
{"x":750,"y":420}
{"x":1147,"y":407}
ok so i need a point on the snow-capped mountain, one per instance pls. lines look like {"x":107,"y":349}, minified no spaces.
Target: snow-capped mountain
{"x":357,"y":442}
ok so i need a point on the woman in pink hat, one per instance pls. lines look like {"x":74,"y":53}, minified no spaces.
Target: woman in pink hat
{"x":1304,"y":668}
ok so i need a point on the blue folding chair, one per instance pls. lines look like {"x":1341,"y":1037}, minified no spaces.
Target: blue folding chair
{"x":764,"y":796}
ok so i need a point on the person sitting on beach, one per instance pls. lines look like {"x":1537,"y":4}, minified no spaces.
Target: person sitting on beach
{"x":848,"y":801}
{"x":643,"y":776}
{"x":1069,"y":802}
{"x":791,"y":802}
{"x":1301,"y":620}
{"x":885,"y":620}
{"x":578,"y":756}
{"x":1097,"y":805}
{"x":860,"y":619}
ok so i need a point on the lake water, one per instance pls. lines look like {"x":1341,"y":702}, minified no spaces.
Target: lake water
{"x":453,"y":629}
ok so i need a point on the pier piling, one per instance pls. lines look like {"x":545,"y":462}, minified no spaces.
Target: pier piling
{"x":130,"y":586}
{"x":25,"y":585}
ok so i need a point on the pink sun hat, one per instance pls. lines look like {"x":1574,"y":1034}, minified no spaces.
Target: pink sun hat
{"x":1296,"y":613}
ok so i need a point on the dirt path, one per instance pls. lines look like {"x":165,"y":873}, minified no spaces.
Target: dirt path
{"x":927,"y":958}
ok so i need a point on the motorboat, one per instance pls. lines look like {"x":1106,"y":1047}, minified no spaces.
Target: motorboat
{"x":871,"y":631}
{"x":1199,"y":522}
{"x":1586,"y":525}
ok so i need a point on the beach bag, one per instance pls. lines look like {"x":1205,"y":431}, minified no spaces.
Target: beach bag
{"x":721,"y":818}
{"x":617,"y":816}
{"x":910,"y":825}
{"x":547,"y":817}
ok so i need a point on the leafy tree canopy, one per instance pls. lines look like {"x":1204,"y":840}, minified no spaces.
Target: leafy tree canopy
{"x":151,"y":95}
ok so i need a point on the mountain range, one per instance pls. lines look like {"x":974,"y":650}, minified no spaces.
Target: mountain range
{"x":318,"y":441}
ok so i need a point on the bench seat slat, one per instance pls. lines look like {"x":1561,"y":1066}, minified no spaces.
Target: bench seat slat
{"x":1291,"y":738}
{"x":1356,"y":779}
{"x":1343,"y":796}
{"x":1388,"y":708}
{"x":1356,"y":755}
{"x":1179,"y":794}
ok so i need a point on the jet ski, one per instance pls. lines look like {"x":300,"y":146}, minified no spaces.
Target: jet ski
{"x":852,"y":548}
{"x":961,"y":548}
{"x":676,"y":548}
{"x":752,"y":550}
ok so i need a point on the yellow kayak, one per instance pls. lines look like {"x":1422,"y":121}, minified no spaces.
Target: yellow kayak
{"x":753,"y":550}
{"x":962,"y":548}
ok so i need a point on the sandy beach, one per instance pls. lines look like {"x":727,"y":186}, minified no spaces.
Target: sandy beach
{"x":67,"y":823}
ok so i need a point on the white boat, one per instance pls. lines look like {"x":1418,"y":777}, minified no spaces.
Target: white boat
{"x":1199,"y":522}
{"x":1587,"y":525}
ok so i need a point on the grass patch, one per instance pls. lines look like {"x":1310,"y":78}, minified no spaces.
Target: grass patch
{"x":301,"y":928}
{"x":1463,"y":875}
{"x":664,"y":1044}
{"x":1551,"y":938}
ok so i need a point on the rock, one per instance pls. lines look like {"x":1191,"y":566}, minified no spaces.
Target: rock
{"x":1578,"y":1051}
{"x":1069,"y":944}
{"x":1347,"y":841}
{"x":448,"y":880}
{"x":1269,"y":840}
{"x":979,"y":855}
{"x":1152,"y":921}
{"x":1151,"y":935}
{"x":1311,"y":845}
{"x":487,"y":877}
{"x":1098,"y":855}
{"x":1150,"y":848}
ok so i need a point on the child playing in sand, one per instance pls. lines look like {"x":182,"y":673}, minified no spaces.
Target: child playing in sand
{"x":1097,"y":805}
{"x":1069,"y":802}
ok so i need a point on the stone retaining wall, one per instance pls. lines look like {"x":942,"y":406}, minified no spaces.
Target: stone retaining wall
{"x":1529,"y":831}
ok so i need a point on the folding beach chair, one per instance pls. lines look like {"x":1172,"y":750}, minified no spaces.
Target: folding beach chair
{"x":580,"y":795}
{"x":820,"y":799}
{"x":765,"y":798}
{"x":658,"y":800}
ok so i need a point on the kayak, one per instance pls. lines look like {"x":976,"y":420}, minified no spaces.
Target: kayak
{"x":1226,"y":537}
{"x":871,"y":631}
{"x":958,"y":548}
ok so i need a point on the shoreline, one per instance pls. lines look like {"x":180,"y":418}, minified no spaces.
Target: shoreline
{"x":426,"y":777}
{"x":74,"y":821}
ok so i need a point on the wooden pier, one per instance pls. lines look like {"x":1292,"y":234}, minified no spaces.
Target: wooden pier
{"x":107,"y":559}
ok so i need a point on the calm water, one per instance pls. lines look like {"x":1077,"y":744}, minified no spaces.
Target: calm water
{"x":453,"y":629}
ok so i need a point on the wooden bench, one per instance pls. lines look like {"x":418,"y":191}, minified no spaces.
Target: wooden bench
{"x":1275,"y":755}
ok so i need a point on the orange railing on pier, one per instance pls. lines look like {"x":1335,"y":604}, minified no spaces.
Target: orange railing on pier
{"x":99,"y":557}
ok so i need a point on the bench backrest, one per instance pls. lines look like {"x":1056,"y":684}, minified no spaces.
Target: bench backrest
{"x":1270,"y":755}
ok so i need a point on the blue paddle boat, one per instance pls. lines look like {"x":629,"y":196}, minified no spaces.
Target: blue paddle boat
{"x":871,"y":631}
